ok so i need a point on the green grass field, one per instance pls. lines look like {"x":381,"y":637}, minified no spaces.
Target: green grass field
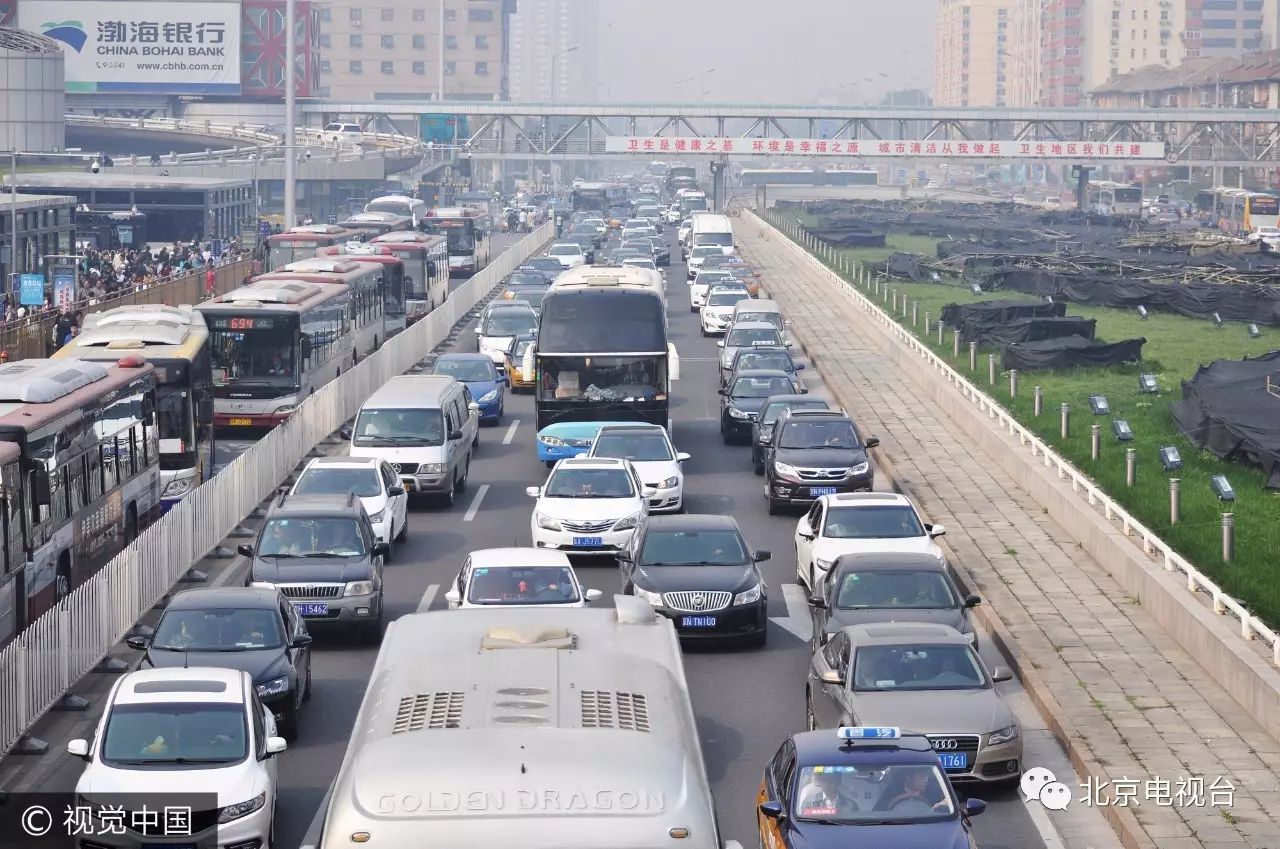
{"x":1175,"y":348}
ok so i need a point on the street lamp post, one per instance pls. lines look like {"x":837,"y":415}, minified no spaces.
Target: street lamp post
{"x":555,"y":61}
{"x":290,"y":119}
{"x":680,"y":84}
{"x":13,"y":218}
{"x":440,"y":83}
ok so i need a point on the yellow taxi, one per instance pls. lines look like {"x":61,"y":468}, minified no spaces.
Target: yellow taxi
{"x":513,"y":362}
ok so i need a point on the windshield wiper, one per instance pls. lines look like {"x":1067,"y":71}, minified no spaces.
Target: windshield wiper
{"x":815,"y":447}
{"x":280,"y":556}
{"x":330,"y":554}
{"x":393,"y":439}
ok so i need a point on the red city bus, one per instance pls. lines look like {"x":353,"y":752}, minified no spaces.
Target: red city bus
{"x":302,"y":242}
{"x":426,"y":269}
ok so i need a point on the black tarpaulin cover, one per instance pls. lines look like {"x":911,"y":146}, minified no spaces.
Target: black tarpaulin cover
{"x":850,"y":235}
{"x":906,"y":265}
{"x":1036,"y":329}
{"x":1227,"y":409}
{"x":1070,"y":351}
{"x":1234,"y":302}
{"x":976,"y":319}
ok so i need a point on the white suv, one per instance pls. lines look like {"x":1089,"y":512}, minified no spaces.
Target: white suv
{"x":518,"y":577}
{"x":375,"y":482}
{"x":568,"y":254}
{"x":589,"y":506}
{"x":343,"y":133}
{"x":196,"y":730}
{"x":856,"y":523}
{"x":649,"y":449}
{"x":699,"y":255}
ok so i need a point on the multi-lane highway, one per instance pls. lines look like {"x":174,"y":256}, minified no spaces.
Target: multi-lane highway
{"x":746,"y":700}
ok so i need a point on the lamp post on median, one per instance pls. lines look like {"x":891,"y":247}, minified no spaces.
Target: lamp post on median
{"x":702,"y":82}
{"x":290,"y":119}
{"x":555,"y":61}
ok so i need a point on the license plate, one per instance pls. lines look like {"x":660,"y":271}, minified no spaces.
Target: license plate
{"x":312,"y":609}
{"x":245,"y":422}
{"x":954,"y":760}
{"x":588,"y":542}
{"x":697,"y":622}
{"x":816,"y":491}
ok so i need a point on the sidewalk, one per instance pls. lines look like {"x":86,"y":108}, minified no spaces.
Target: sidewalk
{"x":1138,"y":706}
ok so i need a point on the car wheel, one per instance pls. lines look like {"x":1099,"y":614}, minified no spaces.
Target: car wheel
{"x":447,"y":497}
{"x":802,"y":578}
{"x":705,"y":332}
{"x":306,"y":690}
{"x":466,"y":474}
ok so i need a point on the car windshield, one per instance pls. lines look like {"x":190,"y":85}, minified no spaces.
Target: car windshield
{"x":917,"y":667}
{"x":528,"y":278}
{"x":824,"y":434}
{"x":898,"y":589}
{"x":771,"y":412}
{"x":509,"y":323}
{"x":322,"y":536}
{"x":632,"y":446}
{"x":887,"y":521}
{"x":744,"y":336}
{"x":768,"y":317}
{"x":164,"y":733}
{"x":873,"y":793}
{"x":323,"y":480}
{"x":704,"y":251}
{"x":565,"y":250}
{"x":522,"y":585}
{"x":726,"y":299}
{"x":219,"y":630}
{"x":760,"y":387}
{"x":635,"y":262}
{"x":750,"y":359}
{"x":466,"y":371}
{"x":380,"y":426}
{"x":589,"y":483}
{"x":694,"y":548}
{"x":529,"y":294}
{"x":712,"y":278}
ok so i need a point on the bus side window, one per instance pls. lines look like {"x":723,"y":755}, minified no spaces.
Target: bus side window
{"x":110,"y":462}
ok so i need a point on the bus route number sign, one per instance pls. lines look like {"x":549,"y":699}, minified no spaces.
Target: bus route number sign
{"x":237,"y":323}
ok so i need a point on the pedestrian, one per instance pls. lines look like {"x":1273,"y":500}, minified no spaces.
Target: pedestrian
{"x":210,"y":282}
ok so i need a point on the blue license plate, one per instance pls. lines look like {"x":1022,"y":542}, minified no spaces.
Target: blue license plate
{"x":697,"y":622}
{"x":588,"y":542}
{"x":312,"y":609}
{"x":954,"y":760}
{"x":816,"y":491}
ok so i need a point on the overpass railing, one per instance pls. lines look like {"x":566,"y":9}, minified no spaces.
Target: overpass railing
{"x":55,"y":651}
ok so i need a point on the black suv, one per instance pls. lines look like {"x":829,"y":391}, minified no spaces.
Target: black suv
{"x":814,"y":453}
{"x":321,"y":553}
{"x":742,"y":398}
{"x":762,"y":427}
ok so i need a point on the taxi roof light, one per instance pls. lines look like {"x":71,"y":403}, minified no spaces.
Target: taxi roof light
{"x":854,"y":732}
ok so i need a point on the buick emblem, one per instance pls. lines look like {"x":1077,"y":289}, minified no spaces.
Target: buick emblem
{"x":949,"y":744}
{"x":699,"y":601}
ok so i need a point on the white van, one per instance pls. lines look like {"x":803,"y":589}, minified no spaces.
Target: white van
{"x":710,"y":228}
{"x":400,"y":205}
{"x":426,"y":426}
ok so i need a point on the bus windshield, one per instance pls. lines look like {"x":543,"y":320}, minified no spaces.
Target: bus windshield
{"x":602,"y":378}
{"x":459,"y":233}
{"x":286,"y":251}
{"x":263,"y":356}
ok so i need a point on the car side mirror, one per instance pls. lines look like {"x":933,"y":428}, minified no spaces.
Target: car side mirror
{"x":722,"y":391}
{"x":244,"y":549}
{"x":804,"y":390}
{"x":832,"y":676}
{"x":301,"y":641}
{"x":761,"y":555}
{"x":873,"y":442}
{"x":276,"y":745}
{"x":533,"y":491}
{"x":1001,"y":673}
{"x":799,"y":366}
{"x":137,"y":641}
{"x":473,"y":407}
{"x":455,"y":434}
{"x":772,"y":810}
{"x":453,"y":597}
{"x":973,"y":807}
{"x":720,"y":343}
{"x":381,"y":549}
{"x":682,"y":457}
{"x":345,"y":433}
{"x":817,"y":601}
{"x":395,"y":491}
{"x":936,"y":531}
{"x":78,"y":748}
{"x":592,"y":595}
{"x":502,"y":377}
{"x":972,"y":600}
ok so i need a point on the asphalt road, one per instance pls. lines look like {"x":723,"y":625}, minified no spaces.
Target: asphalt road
{"x":746,"y":701}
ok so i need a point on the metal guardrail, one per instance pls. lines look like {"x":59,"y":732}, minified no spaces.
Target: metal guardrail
{"x":56,"y":650}
{"x":1251,"y":627}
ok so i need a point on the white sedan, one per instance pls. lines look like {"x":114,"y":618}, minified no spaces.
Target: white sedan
{"x":374,"y":482}
{"x":651,"y":453}
{"x":568,"y":254}
{"x":589,"y":505}
{"x":518,"y":577}
{"x":858,"y":522}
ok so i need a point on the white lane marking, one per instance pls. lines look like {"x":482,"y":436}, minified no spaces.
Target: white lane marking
{"x":511,"y":432}
{"x":1044,"y":825}
{"x":797,"y":621}
{"x":427,"y":598}
{"x":475,"y":503}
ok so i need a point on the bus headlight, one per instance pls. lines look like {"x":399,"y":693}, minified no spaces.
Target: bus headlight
{"x":178,"y":487}
{"x":553,"y":441}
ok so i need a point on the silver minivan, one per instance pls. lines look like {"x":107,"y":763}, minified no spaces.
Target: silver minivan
{"x":426,"y":427}
{"x":760,"y":309}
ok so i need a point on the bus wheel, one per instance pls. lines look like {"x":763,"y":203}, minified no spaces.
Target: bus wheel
{"x":131,"y":524}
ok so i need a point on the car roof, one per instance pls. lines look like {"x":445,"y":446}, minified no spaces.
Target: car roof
{"x":495,"y":558}
{"x":461,"y":357}
{"x":793,"y":398}
{"x":754,"y":325}
{"x":693,"y":521}
{"x":243,"y":597}
{"x":317,"y":506}
{"x":582,"y":462}
{"x":887,"y":561}
{"x":824,"y":747}
{"x":857,"y":499}
{"x":188,"y":684}
{"x":896,"y":633}
{"x":344,"y":461}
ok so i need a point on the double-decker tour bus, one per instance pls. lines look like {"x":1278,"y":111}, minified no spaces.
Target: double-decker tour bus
{"x":303,"y":241}
{"x":391,"y":270}
{"x":602,"y":352}
{"x":80,"y":475}
{"x":599,"y":197}
{"x":373,"y":223}
{"x":175,"y":341}
{"x":426,"y":269}
{"x":468,"y":237}
{"x":280,"y":338}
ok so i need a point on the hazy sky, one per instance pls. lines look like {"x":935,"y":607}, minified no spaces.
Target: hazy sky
{"x":774,"y":51}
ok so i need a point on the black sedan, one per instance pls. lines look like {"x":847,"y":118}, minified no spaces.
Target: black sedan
{"x":698,"y":572}
{"x":249,"y":628}
{"x":742,"y":399}
{"x":661,"y":250}
{"x":547,"y":265}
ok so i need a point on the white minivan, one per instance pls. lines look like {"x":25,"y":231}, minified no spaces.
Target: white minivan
{"x":711,"y":228}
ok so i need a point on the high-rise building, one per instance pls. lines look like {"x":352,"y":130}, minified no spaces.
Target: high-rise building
{"x":1229,"y":27}
{"x":1025,"y":56}
{"x":972,"y":53}
{"x":555,"y":50}
{"x":392,"y":51}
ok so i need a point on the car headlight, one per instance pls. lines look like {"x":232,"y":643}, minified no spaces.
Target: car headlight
{"x":824,"y":565}
{"x":178,"y":487}
{"x":670,"y":483}
{"x":489,"y":397}
{"x":547,"y":523}
{"x":749,"y":596}
{"x":784,"y":470}
{"x":358,"y":588}
{"x":627,"y":523}
{"x":375,"y":518}
{"x":734,"y":412}
{"x":653,"y":598}
{"x":860,"y":469}
{"x":274,"y":687}
{"x":242,"y":809}
{"x":553,"y":441}
{"x":1003,"y":735}
{"x":263,"y":585}
{"x":432,"y":468}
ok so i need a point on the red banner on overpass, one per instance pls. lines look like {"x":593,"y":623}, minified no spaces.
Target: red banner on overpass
{"x":873,"y":148}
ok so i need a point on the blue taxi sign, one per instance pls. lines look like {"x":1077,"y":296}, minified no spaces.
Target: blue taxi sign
{"x":849,"y":732}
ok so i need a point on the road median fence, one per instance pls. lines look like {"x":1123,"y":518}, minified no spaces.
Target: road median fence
{"x":39,"y":666}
